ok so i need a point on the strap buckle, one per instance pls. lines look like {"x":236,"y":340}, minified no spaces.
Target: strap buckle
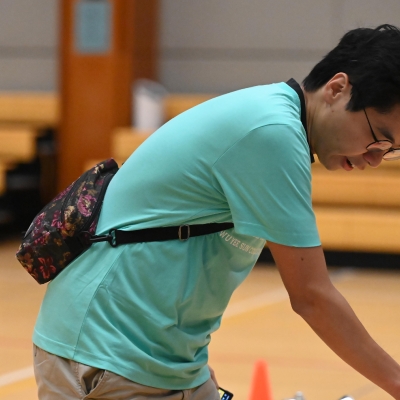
{"x":110,"y":238}
{"x":187,"y":236}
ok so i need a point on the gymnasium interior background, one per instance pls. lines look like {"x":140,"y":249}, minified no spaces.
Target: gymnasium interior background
{"x":209,"y":47}
{"x":205,"y":46}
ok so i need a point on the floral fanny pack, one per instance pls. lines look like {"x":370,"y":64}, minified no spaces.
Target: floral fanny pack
{"x":66,"y":226}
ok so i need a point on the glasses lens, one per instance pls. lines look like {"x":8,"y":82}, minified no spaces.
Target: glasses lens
{"x":392,"y":155}
{"x":380,"y":145}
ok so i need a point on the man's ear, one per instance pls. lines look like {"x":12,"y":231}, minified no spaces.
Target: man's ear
{"x":338,"y":86}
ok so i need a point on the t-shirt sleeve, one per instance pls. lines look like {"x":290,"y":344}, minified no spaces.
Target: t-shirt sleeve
{"x":266,"y":178}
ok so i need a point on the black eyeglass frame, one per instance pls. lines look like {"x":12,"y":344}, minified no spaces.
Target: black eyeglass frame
{"x":391,"y":154}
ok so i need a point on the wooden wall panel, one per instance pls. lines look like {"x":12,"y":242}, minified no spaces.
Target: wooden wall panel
{"x":96,"y":90}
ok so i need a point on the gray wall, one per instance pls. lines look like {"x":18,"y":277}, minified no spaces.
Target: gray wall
{"x":222,"y":45}
{"x":205,"y":45}
{"x":28,"y":44}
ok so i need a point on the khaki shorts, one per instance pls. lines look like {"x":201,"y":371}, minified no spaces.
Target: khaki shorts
{"x":58,"y":378}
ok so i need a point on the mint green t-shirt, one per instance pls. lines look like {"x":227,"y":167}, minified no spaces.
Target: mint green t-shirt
{"x":146,"y":311}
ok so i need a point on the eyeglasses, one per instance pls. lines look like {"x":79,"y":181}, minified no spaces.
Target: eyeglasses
{"x":382,"y":145}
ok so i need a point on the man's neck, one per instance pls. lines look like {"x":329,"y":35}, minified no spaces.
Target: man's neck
{"x":311,"y":99}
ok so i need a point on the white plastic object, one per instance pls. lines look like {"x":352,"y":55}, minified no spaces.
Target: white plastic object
{"x":148,"y":105}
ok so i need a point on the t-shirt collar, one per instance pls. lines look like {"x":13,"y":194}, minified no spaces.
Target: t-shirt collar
{"x":303,"y":116}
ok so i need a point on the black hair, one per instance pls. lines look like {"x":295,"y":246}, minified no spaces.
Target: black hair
{"x":371,"y":59}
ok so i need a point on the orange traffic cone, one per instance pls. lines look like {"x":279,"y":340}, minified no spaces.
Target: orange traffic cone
{"x":260,"y":385}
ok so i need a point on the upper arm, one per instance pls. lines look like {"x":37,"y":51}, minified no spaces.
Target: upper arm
{"x":303,"y":271}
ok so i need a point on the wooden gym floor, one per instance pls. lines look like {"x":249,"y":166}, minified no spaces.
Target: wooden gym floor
{"x":258,"y":324}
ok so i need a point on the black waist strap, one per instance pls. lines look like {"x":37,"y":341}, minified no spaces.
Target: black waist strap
{"x":183,"y":232}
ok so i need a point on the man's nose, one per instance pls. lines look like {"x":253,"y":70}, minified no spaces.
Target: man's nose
{"x":373,"y":158}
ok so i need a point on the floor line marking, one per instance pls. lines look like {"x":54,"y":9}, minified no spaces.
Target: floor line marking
{"x":16,"y":376}
{"x":276,"y":296}
{"x":256,"y":302}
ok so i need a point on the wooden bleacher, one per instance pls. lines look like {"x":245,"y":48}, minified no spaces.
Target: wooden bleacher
{"x":38,"y":109}
{"x":358,"y":210}
{"x":22,"y":118}
{"x":17,"y":144}
{"x":175,"y":104}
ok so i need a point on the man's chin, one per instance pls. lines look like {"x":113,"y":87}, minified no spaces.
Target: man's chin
{"x":332,"y":168}
{"x":330,"y":165}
